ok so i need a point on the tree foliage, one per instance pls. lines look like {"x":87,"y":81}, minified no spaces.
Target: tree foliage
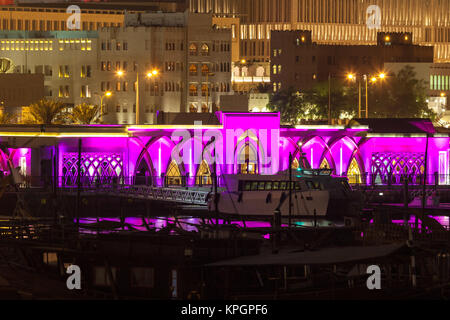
{"x":401,"y":95}
{"x":85,"y":114}
{"x":47,"y":112}
{"x":7,"y":118}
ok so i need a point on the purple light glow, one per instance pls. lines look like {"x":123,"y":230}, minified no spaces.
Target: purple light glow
{"x":154,"y":147}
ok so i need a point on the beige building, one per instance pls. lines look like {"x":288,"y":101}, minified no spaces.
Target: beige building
{"x":55,"y":19}
{"x":190,"y":57}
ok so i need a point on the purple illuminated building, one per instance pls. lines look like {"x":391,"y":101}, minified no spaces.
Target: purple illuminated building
{"x":378,"y":151}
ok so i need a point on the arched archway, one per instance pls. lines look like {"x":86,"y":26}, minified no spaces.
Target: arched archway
{"x":144,"y":174}
{"x":173,"y":174}
{"x":204,"y":49}
{"x":193,"y":49}
{"x":203,"y":174}
{"x":325,"y":164}
{"x":354,"y":172}
{"x":295,"y":164}
{"x":192,"y":108}
{"x":247,"y":159}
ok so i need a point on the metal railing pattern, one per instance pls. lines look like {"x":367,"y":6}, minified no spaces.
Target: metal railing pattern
{"x":178,"y":195}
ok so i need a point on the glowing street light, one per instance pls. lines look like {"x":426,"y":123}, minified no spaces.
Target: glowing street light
{"x":107,"y":94}
{"x":373,"y":79}
{"x":149,"y":74}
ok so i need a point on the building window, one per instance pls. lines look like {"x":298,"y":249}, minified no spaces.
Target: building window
{"x":204,"y":90}
{"x":193,"y":70}
{"x":205,"y":50}
{"x":192,"y":108}
{"x":193,"y":90}
{"x":117,"y":109}
{"x":193,"y":49}
{"x":85,"y":93}
{"x":205,"y":69}
{"x":125,"y":46}
{"x":274,"y":69}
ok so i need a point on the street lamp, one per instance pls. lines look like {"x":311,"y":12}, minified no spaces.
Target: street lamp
{"x":106,"y":94}
{"x":149,"y":74}
{"x":366,"y":77}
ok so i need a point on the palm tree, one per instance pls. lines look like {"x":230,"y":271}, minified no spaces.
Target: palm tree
{"x":7,"y":118}
{"x":85,"y":114}
{"x":47,"y":112}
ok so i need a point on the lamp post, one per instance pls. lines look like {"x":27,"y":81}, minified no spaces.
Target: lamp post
{"x":366,"y":77}
{"x":106,"y":94}
{"x":149,"y":74}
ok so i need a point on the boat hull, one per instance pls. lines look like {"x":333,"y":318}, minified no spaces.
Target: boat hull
{"x":311,"y":204}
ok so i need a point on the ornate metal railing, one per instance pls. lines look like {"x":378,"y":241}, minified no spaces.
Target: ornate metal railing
{"x":178,"y":195}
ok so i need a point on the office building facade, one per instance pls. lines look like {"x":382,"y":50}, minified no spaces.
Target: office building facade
{"x":190,"y":57}
{"x":299,"y":63}
{"x":335,"y":21}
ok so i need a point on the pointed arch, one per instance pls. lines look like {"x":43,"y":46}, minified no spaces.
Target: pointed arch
{"x":295,"y":164}
{"x":203,"y":176}
{"x":354,"y":172}
{"x":325,"y":164}
{"x":247,"y":159}
{"x":173,"y":174}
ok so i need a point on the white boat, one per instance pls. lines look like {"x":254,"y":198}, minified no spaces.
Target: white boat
{"x":313,"y":193}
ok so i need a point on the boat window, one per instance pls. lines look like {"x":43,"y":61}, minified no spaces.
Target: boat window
{"x":254,"y":185}
{"x":261,"y":185}
{"x":248,"y":186}
{"x":276,"y":185}
{"x":269,"y":185}
{"x":283,"y":185}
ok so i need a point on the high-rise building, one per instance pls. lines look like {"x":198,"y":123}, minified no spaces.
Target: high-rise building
{"x":350,"y":22}
{"x":16,"y":18}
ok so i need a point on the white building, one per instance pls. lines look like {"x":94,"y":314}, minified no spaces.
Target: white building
{"x":191,"y":60}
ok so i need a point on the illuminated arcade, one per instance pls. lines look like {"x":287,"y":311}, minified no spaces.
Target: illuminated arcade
{"x":364,"y":151}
